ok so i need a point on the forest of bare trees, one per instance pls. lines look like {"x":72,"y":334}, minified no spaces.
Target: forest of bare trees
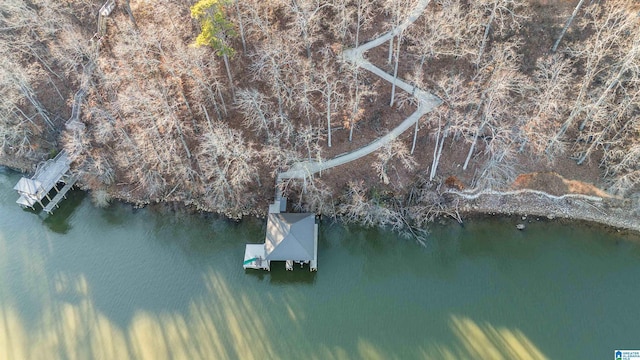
{"x":203,"y":102}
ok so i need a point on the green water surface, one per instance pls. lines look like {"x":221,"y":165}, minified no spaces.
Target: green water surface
{"x":120,"y":283}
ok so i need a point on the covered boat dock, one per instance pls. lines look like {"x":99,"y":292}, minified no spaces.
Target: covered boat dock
{"x":47,"y":177}
{"x":291,"y":237}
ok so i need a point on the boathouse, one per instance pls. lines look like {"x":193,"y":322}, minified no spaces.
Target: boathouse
{"x":47,"y":177}
{"x":291,"y":237}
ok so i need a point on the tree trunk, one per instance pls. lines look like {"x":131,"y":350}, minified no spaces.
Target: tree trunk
{"x":262,"y":116}
{"x":280,"y":105}
{"x":602,"y":97}
{"x":244,"y":44}
{"x":224,"y":105}
{"x":351,"y":130}
{"x":184,"y":143}
{"x":226,"y":65}
{"x":206,"y":114}
{"x":486,"y":35}
{"x":473,"y":147}
{"x":329,"y":117}
{"x":566,"y":26}
{"x":395,"y":70}
{"x":390,"y":50}
{"x":356,"y":103}
{"x":436,"y":159}
{"x":127,"y":9}
{"x":437,"y":151}
{"x":27,"y":92}
{"x":415,"y":136}
{"x":308,"y":46}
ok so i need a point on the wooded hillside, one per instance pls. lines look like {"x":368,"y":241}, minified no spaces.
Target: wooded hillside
{"x":203,"y":102}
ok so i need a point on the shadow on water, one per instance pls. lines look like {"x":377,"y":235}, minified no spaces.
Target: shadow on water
{"x":280,"y":276}
{"x":118,"y":213}
{"x":58,"y":222}
{"x":127,"y":283}
{"x":207,"y":235}
{"x":298,"y":277}
{"x":155,"y":261}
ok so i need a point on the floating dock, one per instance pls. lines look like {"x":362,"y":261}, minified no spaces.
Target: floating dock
{"x":47,"y":177}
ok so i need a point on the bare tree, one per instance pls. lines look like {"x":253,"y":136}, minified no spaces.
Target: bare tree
{"x":344,"y":20}
{"x":391,"y":151}
{"x":357,"y":206}
{"x":308,"y":139}
{"x":452,"y":118}
{"x":258,"y":115}
{"x":241,"y":25}
{"x":315,"y":196}
{"x":270,"y":63}
{"x":365,"y":11}
{"x":612,"y":25}
{"x":331,"y":94}
{"x":306,"y":20}
{"x":503,"y":13}
{"x":358,"y":91}
{"x":501,"y":83}
{"x":446,"y":29}
{"x":548,"y":104}
{"x":255,"y":108}
{"x":228,"y":165}
{"x":566,"y":25}
{"x":399,"y":10}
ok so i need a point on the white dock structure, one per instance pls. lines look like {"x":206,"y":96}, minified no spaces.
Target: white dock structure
{"x":291,"y":237}
{"x":55,"y":171}
{"x":47,"y":177}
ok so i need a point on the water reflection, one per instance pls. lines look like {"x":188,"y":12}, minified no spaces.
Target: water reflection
{"x":225,"y":323}
{"x":142,"y":285}
{"x":486,"y":341}
{"x":280,"y":276}
{"x":58,"y":222}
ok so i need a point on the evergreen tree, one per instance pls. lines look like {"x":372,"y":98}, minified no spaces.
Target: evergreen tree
{"x":215,"y":29}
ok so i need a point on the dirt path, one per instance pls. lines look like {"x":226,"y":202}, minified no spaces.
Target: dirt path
{"x":426,"y":103}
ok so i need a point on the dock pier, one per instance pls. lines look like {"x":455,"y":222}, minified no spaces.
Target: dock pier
{"x":48,"y":175}
{"x":291,"y":238}
{"x":52,"y":172}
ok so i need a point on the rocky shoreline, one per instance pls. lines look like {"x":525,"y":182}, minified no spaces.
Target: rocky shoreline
{"x":616,"y":213}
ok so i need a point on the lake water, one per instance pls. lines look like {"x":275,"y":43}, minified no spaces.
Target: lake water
{"x":119,"y":283}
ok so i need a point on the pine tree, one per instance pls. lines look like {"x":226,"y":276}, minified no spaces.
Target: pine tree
{"x":215,"y":29}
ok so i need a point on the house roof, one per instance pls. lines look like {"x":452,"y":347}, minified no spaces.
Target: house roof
{"x":290,"y":237}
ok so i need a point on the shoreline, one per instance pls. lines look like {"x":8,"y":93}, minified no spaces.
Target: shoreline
{"x":614,"y":213}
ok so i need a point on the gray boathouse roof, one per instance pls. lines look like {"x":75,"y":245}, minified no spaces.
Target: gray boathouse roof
{"x":290,"y":236}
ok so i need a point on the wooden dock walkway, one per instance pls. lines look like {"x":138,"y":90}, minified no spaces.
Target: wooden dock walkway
{"x":62,"y":194}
